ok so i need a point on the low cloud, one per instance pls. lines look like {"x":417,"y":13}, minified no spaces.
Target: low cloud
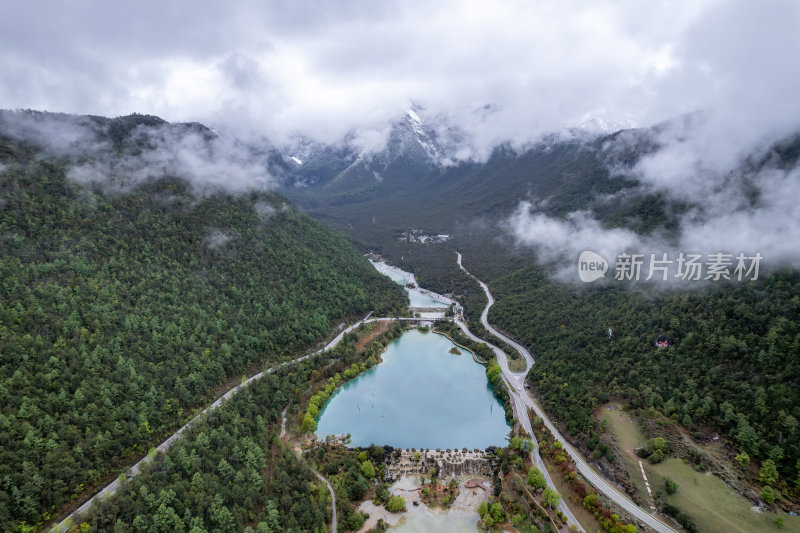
{"x":109,"y":153}
{"x":564,"y":239}
{"x":733,"y":207}
{"x":717,"y":160}
{"x":266,"y":211}
{"x":208,"y":164}
{"x":217,"y":238}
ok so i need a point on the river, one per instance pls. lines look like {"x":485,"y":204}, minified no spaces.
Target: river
{"x":418,"y":297}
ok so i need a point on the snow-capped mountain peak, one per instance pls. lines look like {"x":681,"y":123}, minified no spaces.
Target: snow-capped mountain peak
{"x":423,"y":137}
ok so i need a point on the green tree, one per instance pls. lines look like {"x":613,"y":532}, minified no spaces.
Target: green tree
{"x":483,"y":508}
{"x":768,"y":494}
{"x":497,"y":512}
{"x":355,"y":520}
{"x":768,"y":473}
{"x":670,"y":485}
{"x":396,"y":504}
{"x":551,"y":498}
{"x":659,"y":444}
{"x":368,"y":469}
{"x":747,"y":436}
{"x":226,"y":470}
{"x":536,"y":478}
{"x":656,"y":457}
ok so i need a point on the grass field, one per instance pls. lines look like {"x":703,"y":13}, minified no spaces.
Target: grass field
{"x":628,"y":437}
{"x":517,"y":365}
{"x":713,"y":505}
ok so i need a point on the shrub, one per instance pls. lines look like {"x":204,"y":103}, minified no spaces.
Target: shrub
{"x":656,"y":457}
{"x":483,"y":508}
{"x":396,"y":504}
{"x":768,"y":494}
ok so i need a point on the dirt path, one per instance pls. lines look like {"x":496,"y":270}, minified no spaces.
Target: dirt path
{"x":334,"y":523}
{"x":380,"y":328}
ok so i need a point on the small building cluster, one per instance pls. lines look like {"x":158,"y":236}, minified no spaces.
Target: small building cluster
{"x":662,"y":341}
{"x":417,"y":235}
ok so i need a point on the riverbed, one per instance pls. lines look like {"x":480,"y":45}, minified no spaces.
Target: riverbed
{"x":418,"y":297}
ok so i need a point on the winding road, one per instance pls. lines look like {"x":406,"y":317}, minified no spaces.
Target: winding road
{"x":515,"y":383}
{"x":519,"y":395}
{"x":334,"y":523}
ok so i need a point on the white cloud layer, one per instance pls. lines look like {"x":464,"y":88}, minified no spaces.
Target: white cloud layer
{"x":730,"y":212}
{"x":325,"y":69}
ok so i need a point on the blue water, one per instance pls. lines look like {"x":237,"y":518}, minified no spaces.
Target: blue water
{"x":415,"y":296}
{"x":420,"y":396}
{"x":418,"y":299}
{"x":397,"y":278}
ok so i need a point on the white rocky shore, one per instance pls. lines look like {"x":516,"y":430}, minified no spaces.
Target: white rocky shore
{"x":460,"y":517}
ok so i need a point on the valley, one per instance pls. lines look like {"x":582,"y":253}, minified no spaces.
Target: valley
{"x":545,"y":342}
{"x":366,"y":267}
{"x":699,"y":382}
{"x":521,"y":402}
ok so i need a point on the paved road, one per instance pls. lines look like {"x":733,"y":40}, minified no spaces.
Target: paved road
{"x":515,"y":381}
{"x":110,"y":489}
{"x":519,"y":395}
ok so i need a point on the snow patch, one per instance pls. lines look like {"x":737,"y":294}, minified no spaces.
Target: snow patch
{"x":414,"y":117}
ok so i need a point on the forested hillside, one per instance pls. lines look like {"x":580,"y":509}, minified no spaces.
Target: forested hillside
{"x":226,"y":474}
{"x":732,"y":366}
{"x":122,"y":313}
{"x":231,"y":472}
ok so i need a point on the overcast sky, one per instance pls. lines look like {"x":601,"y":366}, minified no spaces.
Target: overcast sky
{"x":324,"y":68}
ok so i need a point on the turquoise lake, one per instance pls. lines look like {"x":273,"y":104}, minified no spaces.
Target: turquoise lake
{"x":420,"y":396}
